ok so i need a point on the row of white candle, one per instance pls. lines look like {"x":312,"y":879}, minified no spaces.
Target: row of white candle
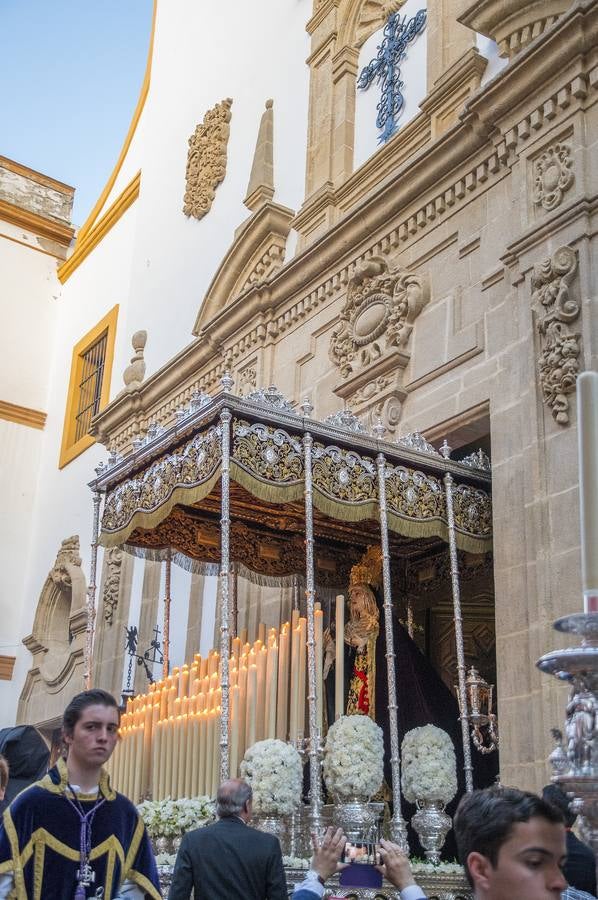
{"x":170,"y":737}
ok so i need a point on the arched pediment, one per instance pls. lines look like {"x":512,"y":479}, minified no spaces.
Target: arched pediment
{"x":361,"y":18}
{"x":257,"y":251}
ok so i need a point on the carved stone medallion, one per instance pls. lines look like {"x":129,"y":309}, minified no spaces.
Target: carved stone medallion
{"x":559,"y":357}
{"x":378,"y":314}
{"x":206,"y":159}
{"x":552,"y":176}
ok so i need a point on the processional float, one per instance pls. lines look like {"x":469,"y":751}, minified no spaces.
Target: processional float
{"x":259,"y":473}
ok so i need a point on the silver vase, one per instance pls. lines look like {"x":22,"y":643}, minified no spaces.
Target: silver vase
{"x":432,"y":826}
{"x":176,"y":843}
{"x":358,"y":818}
{"x":275,"y":825}
{"x":162,"y":844}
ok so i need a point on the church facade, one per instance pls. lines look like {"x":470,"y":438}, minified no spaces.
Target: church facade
{"x":375,"y":206}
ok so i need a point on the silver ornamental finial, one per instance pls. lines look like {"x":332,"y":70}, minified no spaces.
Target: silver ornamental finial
{"x":99,"y":469}
{"x":227,"y":382}
{"x":379,"y":430}
{"x":445,"y":450}
{"x":307,"y":408}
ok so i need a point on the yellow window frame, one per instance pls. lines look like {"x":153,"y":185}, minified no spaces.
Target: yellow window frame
{"x":71,"y":448}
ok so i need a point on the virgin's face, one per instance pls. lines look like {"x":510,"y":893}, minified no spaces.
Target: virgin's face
{"x":358,"y":598}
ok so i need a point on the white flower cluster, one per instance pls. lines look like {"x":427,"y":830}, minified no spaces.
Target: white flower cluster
{"x":169,"y":818}
{"x":274,"y":771}
{"x":354,"y":758}
{"x":428,"y":765}
{"x":295,"y":862}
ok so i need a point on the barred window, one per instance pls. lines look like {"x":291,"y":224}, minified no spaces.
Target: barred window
{"x":89,"y":386}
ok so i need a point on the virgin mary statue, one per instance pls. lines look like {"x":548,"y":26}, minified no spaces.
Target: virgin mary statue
{"x":422,"y":696}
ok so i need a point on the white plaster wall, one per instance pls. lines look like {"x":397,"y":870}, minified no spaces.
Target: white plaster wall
{"x":29,"y":290}
{"x":413,"y":75}
{"x":20,"y":449}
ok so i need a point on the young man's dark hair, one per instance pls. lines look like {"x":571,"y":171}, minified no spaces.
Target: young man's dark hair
{"x":485,"y":818}
{"x":80,"y":702}
{"x":554,"y":795}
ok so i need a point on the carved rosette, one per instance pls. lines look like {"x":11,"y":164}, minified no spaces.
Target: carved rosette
{"x":206,"y":160}
{"x":552,"y":176}
{"x":113,"y":561}
{"x":558,"y":364}
{"x":378,"y":314}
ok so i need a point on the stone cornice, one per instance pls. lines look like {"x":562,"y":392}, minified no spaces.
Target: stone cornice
{"x":470,"y":156}
{"x":32,"y":175}
{"x":39,"y":225}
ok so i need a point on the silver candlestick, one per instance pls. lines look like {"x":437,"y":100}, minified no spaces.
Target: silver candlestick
{"x":575,"y":760}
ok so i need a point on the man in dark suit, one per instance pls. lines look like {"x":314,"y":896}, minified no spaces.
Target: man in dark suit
{"x":580,"y":867}
{"x":229,"y":860}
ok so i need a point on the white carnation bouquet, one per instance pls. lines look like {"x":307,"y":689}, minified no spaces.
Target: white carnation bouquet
{"x":354,"y":758}
{"x":169,"y":818}
{"x":428,"y":765}
{"x":274,"y":771}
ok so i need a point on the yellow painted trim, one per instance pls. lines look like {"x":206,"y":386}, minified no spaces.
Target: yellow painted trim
{"x":69,"y":449}
{"x":40,"y":225}
{"x":88,"y":224}
{"x":22,"y":415}
{"x":100,"y":229}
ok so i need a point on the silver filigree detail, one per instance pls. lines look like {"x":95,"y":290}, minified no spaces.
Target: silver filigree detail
{"x":346,"y":420}
{"x":416,"y":441}
{"x":271,"y":396}
{"x":477,"y":460}
{"x":227,"y":382}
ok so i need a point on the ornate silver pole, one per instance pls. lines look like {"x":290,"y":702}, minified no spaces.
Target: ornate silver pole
{"x":397,"y":823}
{"x":91,"y":592}
{"x":296,"y":604}
{"x":234,"y":609}
{"x":166,"y":622}
{"x":463,"y":703}
{"x":314,"y":730}
{"x":225,"y":419}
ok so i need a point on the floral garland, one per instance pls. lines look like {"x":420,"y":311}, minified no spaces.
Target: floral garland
{"x":169,"y":818}
{"x":429,"y":767}
{"x":274,"y":771}
{"x":354,"y":758}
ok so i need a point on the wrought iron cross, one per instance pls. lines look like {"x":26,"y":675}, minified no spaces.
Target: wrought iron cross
{"x":385,"y":67}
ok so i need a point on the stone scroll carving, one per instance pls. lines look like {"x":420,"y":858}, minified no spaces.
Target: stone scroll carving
{"x":558,"y":365}
{"x":378,"y":315}
{"x":553,"y":176}
{"x":206,"y":159}
{"x":113,"y":562}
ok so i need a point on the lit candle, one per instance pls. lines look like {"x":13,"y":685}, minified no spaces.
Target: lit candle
{"x":271,"y":691}
{"x":168,"y":768}
{"x":195,"y":751}
{"x":294,"y":704}
{"x":236,"y":648}
{"x":261,"y":633}
{"x":250,"y":724}
{"x":339,"y":694}
{"x":184,"y":681}
{"x":182,"y":723}
{"x":137,"y":770}
{"x":283,"y":685}
{"x":156,"y":745}
{"x":242,"y":682}
{"x":202,"y":753}
{"x":587,"y":413}
{"x":260,"y":707}
{"x":301,"y":688}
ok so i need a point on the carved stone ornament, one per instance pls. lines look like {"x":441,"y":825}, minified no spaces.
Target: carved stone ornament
{"x":378,"y":314}
{"x":67,"y":556}
{"x":113,"y":562}
{"x":135,"y":371}
{"x":552,"y":176}
{"x":206,"y":160}
{"x":559,"y":357}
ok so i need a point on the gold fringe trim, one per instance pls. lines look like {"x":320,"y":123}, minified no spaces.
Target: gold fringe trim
{"x":148,"y":520}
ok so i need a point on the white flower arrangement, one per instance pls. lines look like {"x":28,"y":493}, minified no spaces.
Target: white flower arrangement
{"x":274,"y":771}
{"x":354,"y":758}
{"x":169,"y":818}
{"x":429,"y":868}
{"x":295,"y":862}
{"x":428,"y":765}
